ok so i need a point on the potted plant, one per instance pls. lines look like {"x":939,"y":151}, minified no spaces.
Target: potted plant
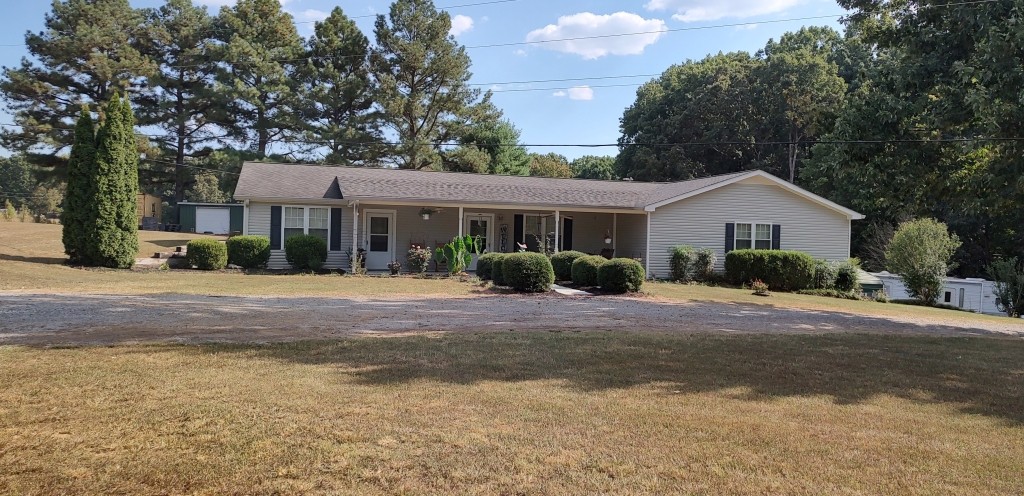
{"x":394,"y":266}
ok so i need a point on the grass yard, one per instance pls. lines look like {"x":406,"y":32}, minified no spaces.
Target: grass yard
{"x":519,"y":413}
{"x":32,"y":259}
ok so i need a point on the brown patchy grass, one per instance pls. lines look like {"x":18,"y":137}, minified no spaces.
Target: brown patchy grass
{"x":32,"y":259}
{"x":519,"y":413}
{"x":692,"y":292}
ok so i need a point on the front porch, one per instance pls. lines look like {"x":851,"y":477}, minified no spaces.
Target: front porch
{"x":386,"y":231}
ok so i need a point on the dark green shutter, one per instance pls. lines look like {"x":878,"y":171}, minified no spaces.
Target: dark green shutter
{"x":567,"y":234}
{"x":517,"y":232}
{"x":335,"y":229}
{"x":730,"y":236}
{"x":776,"y":236}
{"x":275,"y":227}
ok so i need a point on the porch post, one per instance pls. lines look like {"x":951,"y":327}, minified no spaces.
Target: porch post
{"x":557,"y":229}
{"x":647,"y":251}
{"x":615,"y":229}
{"x":461,"y":221}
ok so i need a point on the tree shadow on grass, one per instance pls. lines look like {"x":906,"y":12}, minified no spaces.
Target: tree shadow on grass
{"x":977,"y":375}
{"x":38,"y":260}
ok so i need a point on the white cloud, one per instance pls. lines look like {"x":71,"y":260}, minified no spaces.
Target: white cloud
{"x":460,"y":24}
{"x":310,"y":15}
{"x":710,"y":10}
{"x":519,"y":52}
{"x":747,"y":27}
{"x":581,"y":93}
{"x":588,"y":25}
{"x":224,"y":3}
{"x":576,"y":93}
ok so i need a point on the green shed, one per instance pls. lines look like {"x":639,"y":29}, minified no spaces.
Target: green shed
{"x":211,"y":218}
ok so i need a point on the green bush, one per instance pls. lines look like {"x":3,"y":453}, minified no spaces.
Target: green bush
{"x":206,"y":254}
{"x":528,"y":272}
{"x":704,"y":265}
{"x":621,"y":275}
{"x":305,"y":252}
{"x":1008,"y":275}
{"x":498,"y":270}
{"x":248,"y":252}
{"x":780,"y":269}
{"x":584,"y":270}
{"x":846,"y":277}
{"x":485,"y":265}
{"x":562,"y":261}
{"x":829,"y":293}
{"x":681,"y":262}
{"x":825,"y":273}
{"x":920,"y":253}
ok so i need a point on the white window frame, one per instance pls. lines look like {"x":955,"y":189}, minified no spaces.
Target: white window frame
{"x":305,"y":221}
{"x":753,"y":235}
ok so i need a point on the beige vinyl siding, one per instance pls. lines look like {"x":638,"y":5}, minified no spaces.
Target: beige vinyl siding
{"x":632,"y":235}
{"x":700,"y":221}
{"x":259,"y":225}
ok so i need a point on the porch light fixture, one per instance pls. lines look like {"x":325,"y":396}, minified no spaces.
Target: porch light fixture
{"x":607,"y":238}
{"x":427,"y":212}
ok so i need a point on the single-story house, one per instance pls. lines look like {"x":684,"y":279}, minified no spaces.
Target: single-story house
{"x":385,"y":211}
{"x":974,"y":294}
{"x":211,"y":218}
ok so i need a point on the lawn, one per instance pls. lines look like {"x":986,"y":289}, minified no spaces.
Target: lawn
{"x":32,"y":259}
{"x":519,"y":413}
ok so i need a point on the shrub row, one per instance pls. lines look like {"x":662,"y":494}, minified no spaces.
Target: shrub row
{"x":561,"y":262}
{"x":781,"y":270}
{"x":206,"y":254}
{"x":527,"y":272}
{"x":621,"y":275}
{"x":305,"y":252}
{"x":584,"y":270}
{"x":830,"y":293}
{"x":248,"y":252}
{"x":691,"y":264}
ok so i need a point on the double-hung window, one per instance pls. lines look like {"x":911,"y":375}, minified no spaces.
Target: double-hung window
{"x":306,"y":220}
{"x":756,"y":236}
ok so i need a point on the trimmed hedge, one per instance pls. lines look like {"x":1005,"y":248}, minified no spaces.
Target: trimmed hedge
{"x":305,"y":252}
{"x":681,"y":261}
{"x":498,"y":270}
{"x":782,"y":270}
{"x":206,"y":254}
{"x":584,"y":270}
{"x":562,"y":261}
{"x":829,"y":293}
{"x":824,"y":274}
{"x":485,"y":265}
{"x":528,"y":272}
{"x":621,"y":275}
{"x":846,"y":277}
{"x":248,"y":252}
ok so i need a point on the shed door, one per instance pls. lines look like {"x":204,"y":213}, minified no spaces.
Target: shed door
{"x":213,"y":220}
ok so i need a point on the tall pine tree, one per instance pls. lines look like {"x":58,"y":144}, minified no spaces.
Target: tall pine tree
{"x":423,"y":75}
{"x":86,"y":52}
{"x":114,"y":238}
{"x":80,"y":189}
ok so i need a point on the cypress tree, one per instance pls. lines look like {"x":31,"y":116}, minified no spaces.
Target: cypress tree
{"x":114,"y":238}
{"x":80,"y":188}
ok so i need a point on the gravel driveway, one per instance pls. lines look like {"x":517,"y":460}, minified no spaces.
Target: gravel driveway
{"x":47,"y":319}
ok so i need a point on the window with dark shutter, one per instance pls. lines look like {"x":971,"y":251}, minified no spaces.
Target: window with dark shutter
{"x":776,"y":237}
{"x":730,"y":236}
{"x":517,"y":232}
{"x":335,"y":229}
{"x":275,"y":227}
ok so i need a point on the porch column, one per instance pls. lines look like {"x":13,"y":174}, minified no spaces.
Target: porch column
{"x":557,"y":229}
{"x":615,"y":229}
{"x":461,"y":221}
{"x":647,"y":251}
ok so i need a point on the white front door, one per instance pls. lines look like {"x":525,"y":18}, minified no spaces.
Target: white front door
{"x":480,"y":226}
{"x":379,"y":232}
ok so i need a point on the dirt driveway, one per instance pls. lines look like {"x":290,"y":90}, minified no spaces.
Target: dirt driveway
{"x":47,"y":319}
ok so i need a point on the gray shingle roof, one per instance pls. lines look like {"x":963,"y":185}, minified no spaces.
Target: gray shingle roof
{"x":303,"y":182}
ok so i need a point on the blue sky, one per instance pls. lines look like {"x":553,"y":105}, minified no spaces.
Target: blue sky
{"x":571,"y":112}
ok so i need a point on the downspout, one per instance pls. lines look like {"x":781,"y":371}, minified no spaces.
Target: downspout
{"x":355,"y":234}
{"x":245,"y":217}
{"x":462,"y":221}
{"x":647,"y":251}
{"x":615,"y":232}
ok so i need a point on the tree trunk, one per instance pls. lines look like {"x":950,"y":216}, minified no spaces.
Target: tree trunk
{"x":794,"y":138}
